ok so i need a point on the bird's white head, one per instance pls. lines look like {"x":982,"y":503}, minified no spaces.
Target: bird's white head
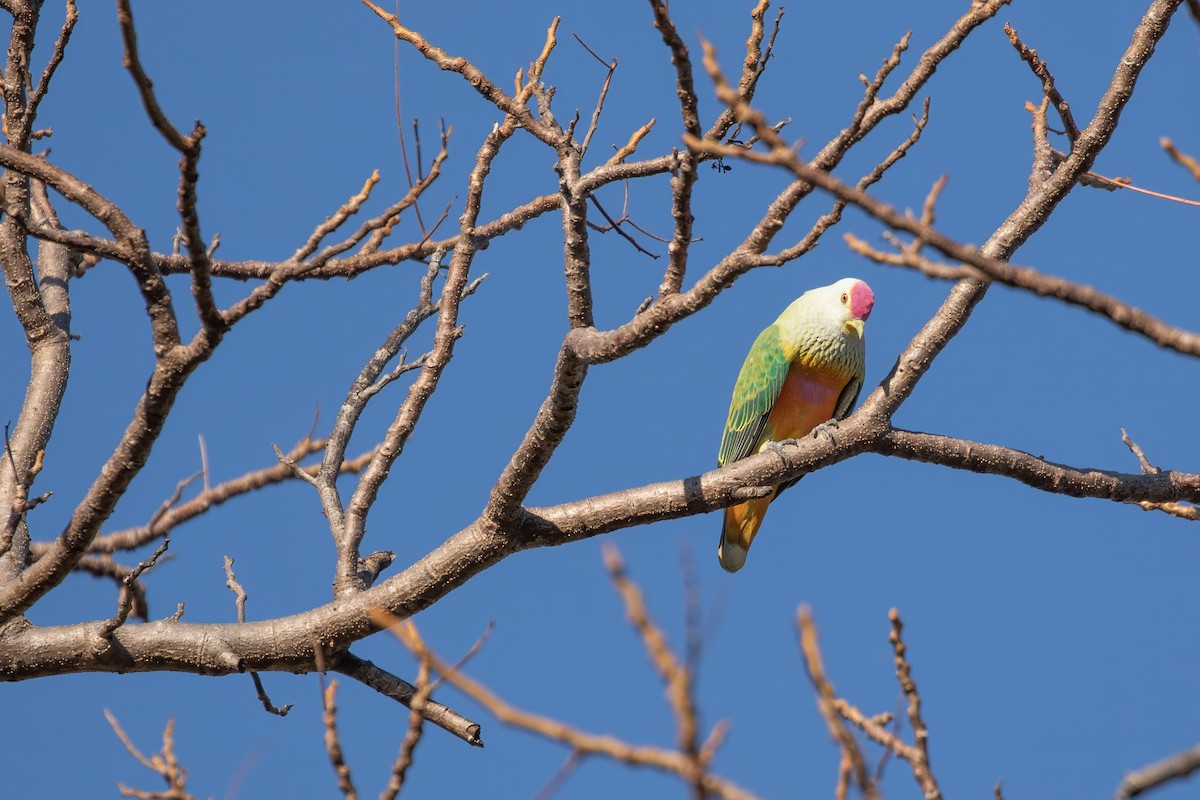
{"x":855,"y":301}
{"x":839,"y":307}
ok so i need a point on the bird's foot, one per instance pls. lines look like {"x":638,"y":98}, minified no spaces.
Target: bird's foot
{"x":777,"y":447}
{"x":826,"y":428}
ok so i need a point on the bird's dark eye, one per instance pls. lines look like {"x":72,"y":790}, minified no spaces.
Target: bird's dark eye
{"x":845,"y":298}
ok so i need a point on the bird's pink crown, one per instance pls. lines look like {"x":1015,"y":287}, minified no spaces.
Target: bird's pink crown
{"x":862,"y":299}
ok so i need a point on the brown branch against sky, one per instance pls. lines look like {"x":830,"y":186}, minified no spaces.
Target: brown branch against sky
{"x":403,"y":692}
{"x":676,"y":673}
{"x":1153,"y":775}
{"x":1042,"y":71}
{"x":514,"y":107}
{"x":333,"y":742}
{"x":165,"y":764}
{"x":582,"y":742}
{"x":1181,"y":158}
{"x":223,"y":649}
{"x":851,"y":753}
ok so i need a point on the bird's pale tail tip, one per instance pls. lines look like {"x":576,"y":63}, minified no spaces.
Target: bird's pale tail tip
{"x":731,"y":555}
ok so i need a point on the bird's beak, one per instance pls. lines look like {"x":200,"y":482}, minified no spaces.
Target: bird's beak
{"x":855,"y":325}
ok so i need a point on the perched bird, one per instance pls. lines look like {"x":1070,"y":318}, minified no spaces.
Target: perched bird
{"x":804,"y":370}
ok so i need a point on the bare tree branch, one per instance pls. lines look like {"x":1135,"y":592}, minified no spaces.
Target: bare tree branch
{"x":854,"y":765}
{"x":920,"y":761}
{"x":675,"y":673}
{"x":584,"y":743}
{"x":240,"y":601}
{"x":1042,"y":71}
{"x":1183,"y":159}
{"x":166,"y":765}
{"x":412,"y":737}
{"x":1168,"y":769}
{"x":513,"y":106}
{"x":403,"y":692}
{"x":333,"y":742}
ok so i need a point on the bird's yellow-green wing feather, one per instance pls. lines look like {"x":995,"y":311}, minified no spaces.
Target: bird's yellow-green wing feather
{"x":754,"y":394}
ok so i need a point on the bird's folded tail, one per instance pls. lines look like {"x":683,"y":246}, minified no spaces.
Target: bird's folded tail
{"x":741,"y":524}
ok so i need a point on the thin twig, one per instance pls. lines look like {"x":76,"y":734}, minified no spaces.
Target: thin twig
{"x":559,"y":778}
{"x":1042,"y":71}
{"x":851,"y":753}
{"x":240,"y":601}
{"x":333,"y":742}
{"x":1182,"y":159}
{"x":675,"y":673}
{"x":166,"y":765}
{"x":920,"y":765}
{"x":599,"y":108}
{"x":416,"y":720}
{"x":585,"y":743}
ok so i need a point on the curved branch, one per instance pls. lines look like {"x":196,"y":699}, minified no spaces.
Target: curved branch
{"x":287,"y":643}
{"x":1112,"y":308}
{"x":134,"y":250}
{"x":43,"y":307}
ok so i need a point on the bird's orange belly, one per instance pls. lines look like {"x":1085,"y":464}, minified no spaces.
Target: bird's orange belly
{"x":807,"y":399}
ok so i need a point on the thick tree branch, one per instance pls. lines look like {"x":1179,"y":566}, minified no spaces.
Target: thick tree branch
{"x":558,"y":410}
{"x":551,"y":424}
{"x":131,"y":247}
{"x":287,"y":643}
{"x":44,"y":310}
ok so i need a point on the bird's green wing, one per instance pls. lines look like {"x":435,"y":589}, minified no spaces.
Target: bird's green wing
{"x":754,"y":394}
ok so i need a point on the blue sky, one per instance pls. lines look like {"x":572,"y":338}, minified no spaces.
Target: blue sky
{"x":1053,"y":639}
